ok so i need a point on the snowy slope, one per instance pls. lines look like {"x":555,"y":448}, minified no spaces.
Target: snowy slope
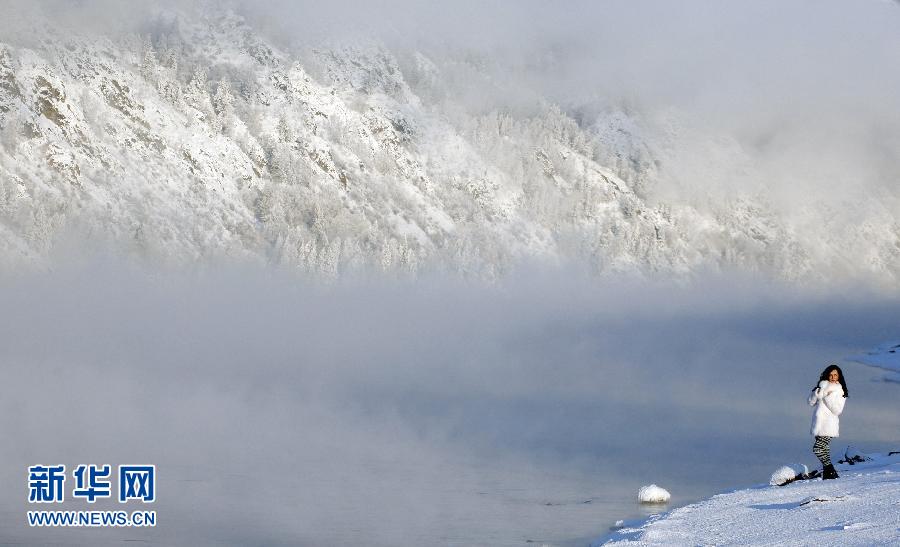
{"x":862,"y":507}
{"x":198,"y":138}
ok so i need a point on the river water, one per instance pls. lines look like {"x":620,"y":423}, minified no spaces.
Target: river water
{"x":435,"y":412}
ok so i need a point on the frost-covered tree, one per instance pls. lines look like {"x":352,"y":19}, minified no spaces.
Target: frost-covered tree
{"x":223,"y":104}
{"x":342,"y":158}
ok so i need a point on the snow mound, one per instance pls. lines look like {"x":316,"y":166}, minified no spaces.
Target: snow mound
{"x":653,"y":494}
{"x":782,"y":475}
{"x":787,"y":473}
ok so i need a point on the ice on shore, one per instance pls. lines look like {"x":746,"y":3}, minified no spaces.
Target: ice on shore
{"x":885,"y":356}
{"x":859,"y":508}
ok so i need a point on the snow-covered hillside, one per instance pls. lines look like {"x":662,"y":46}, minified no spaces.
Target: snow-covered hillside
{"x":198,"y":138}
{"x":862,"y":507}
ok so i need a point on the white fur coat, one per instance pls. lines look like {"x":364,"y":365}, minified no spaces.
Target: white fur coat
{"x":829,"y":401}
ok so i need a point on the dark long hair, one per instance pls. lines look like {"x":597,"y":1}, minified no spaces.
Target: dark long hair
{"x":827,"y":371}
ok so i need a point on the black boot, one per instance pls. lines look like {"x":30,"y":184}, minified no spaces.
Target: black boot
{"x":828,"y":472}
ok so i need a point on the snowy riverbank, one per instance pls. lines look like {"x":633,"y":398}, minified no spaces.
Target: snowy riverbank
{"x":860,"y":508}
{"x":886,"y":357}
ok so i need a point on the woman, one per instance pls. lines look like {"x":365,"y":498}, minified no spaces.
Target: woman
{"x":828,"y":397}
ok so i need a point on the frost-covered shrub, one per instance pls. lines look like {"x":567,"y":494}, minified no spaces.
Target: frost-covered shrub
{"x":653,"y":494}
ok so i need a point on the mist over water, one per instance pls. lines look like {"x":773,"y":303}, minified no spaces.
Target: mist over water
{"x":385,"y":412}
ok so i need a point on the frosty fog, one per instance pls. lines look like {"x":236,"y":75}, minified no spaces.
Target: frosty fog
{"x":479,"y":403}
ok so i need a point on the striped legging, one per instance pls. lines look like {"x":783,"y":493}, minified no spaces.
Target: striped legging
{"x":822,"y":450}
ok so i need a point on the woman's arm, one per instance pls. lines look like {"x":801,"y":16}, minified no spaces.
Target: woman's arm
{"x":813,"y":397}
{"x":818,"y":393}
{"x":835,"y":402}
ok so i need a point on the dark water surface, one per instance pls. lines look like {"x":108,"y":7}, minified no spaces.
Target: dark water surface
{"x":426,"y":413}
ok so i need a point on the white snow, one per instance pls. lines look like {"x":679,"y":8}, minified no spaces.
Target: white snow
{"x":862,"y":507}
{"x":885,"y":356}
{"x":783,"y":474}
{"x":653,"y":494}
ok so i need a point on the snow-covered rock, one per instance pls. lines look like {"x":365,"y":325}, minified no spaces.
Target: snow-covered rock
{"x":788,"y":473}
{"x":782,"y":475}
{"x":653,"y":494}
